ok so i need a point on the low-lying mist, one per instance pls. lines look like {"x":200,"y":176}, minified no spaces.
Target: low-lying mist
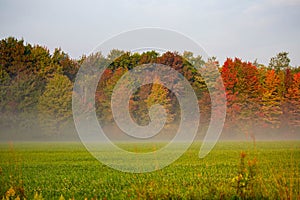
{"x":33,"y":131}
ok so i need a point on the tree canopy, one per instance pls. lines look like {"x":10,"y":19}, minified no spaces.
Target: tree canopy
{"x":37,"y":83}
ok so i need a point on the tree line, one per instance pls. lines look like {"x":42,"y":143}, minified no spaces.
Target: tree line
{"x":36,"y":89}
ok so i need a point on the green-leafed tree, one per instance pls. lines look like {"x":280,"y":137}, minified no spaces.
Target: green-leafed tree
{"x":194,"y":61}
{"x":22,"y":99}
{"x":113,"y":54}
{"x":280,"y":61}
{"x":4,"y":98}
{"x":55,"y":104}
{"x":4,"y":85}
{"x":24,"y":93}
{"x":41,"y":59}
{"x":68,"y":66}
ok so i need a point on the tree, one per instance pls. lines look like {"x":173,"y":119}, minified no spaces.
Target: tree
{"x":293,"y":102}
{"x":242,"y":91}
{"x":159,"y":95}
{"x":272,"y":99}
{"x":229,"y":75}
{"x":206,"y":85}
{"x":54,"y":67}
{"x":249,"y":96}
{"x":4,"y":84}
{"x":15,"y":57}
{"x":21,"y":101}
{"x":194,"y":61}
{"x":280,"y":62}
{"x":148,"y":57}
{"x":41,"y":59}
{"x":173,"y":60}
{"x":104,"y":92}
{"x":4,"y":99}
{"x":55,"y":104}
{"x":62,"y":61}
{"x":114,"y":54}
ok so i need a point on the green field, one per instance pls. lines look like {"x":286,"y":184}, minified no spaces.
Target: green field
{"x":56,"y":170}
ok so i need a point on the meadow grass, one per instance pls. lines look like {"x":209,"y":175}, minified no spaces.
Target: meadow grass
{"x":232,"y":170}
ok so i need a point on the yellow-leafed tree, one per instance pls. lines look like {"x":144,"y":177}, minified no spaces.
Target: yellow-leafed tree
{"x":160,"y":95}
{"x":272,"y":99}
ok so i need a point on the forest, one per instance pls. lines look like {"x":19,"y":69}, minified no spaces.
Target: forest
{"x":36,"y":89}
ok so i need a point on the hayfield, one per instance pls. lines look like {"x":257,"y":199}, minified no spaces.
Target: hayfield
{"x":232,"y":170}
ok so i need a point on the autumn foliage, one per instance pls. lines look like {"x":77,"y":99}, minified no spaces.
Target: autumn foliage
{"x":34,"y":82}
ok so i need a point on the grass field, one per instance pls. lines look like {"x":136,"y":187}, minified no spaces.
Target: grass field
{"x":232,"y":170}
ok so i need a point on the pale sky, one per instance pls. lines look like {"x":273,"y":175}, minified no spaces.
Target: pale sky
{"x":247,"y":29}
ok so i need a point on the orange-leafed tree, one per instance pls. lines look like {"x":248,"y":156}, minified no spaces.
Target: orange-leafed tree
{"x":293,"y":102}
{"x":249,"y":89}
{"x":272,"y":99}
{"x":104,"y":92}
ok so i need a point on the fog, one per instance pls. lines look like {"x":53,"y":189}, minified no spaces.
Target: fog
{"x":15,"y":133}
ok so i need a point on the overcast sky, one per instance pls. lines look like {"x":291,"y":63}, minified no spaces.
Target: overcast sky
{"x":247,"y":29}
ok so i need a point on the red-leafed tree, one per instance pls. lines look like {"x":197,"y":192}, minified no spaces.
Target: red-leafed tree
{"x":293,"y":102}
{"x":229,"y":76}
{"x":242,"y":91}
